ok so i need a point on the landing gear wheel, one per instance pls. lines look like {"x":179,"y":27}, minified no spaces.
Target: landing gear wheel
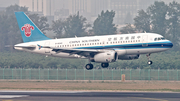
{"x":89,"y":66}
{"x":150,"y":62}
{"x":104,"y":65}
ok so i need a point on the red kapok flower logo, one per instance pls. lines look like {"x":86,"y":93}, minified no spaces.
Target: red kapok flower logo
{"x":27,"y":29}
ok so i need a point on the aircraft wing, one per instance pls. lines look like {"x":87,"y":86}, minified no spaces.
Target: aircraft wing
{"x":82,"y":52}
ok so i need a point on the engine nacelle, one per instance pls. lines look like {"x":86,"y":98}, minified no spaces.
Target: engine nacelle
{"x":129,"y":57}
{"x":106,"y":57}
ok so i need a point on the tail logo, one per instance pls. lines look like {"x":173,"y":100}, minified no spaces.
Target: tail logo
{"x":27,"y":29}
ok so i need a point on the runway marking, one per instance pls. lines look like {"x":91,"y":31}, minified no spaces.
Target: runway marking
{"x":154,"y":99}
{"x":7,"y":100}
{"x":45,"y":91}
{"x":12,"y":96}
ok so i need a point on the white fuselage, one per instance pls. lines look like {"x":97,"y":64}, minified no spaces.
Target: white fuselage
{"x":123,"y":44}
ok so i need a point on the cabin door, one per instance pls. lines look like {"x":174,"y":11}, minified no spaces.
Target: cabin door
{"x":145,"y":40}
{"x":47,"y":50}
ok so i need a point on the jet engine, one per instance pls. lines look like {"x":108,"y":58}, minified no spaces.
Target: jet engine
{"x":129,"y":57}
{"x":106,"y":57}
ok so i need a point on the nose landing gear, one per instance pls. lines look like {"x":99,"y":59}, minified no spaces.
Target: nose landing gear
{"x":149,"y":61}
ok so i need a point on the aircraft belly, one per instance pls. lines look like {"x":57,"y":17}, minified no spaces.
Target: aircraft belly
{"x":121,"y":52}
{"x":141,"y":51}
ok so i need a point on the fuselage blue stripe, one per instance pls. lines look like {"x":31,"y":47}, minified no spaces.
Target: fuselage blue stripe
{"x":132,"y":46}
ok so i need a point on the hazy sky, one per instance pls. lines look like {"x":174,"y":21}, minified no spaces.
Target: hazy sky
{"x":5,"y":3}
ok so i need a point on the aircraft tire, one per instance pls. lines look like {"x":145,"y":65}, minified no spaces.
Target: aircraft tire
{"x":89,"y":66}
{"x":150,"y":62}
{"x":104,"y":65}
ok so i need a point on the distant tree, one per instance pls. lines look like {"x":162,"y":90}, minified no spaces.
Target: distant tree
{"x":158,"y":14}
{"x":162,"y":19}
{"x":74,"y":25}
{"x":173,"y":22}
{"x":15,"y":8}
{"x":127,"y":29}
{"x":103,"y":25}
{"x":58,"y":28}
{"x":9,"y":30}
{"x":142,"y":21}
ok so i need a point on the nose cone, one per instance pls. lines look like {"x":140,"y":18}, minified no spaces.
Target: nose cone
{"x":170,"y":44}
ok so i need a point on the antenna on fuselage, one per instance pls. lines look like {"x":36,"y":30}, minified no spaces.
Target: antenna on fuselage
{"x":75,"y":36}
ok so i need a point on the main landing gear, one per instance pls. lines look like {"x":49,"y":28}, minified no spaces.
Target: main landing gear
{"x":149,"y":61}
{"x":89,"y":66}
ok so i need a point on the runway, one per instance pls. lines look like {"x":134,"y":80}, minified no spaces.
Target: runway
{"x":86,"y":96}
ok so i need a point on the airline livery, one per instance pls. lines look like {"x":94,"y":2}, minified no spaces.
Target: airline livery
{"x":101,"y":49}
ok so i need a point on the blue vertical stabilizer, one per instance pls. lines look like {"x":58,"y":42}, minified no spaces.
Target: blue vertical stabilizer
{"x":29,"y":31}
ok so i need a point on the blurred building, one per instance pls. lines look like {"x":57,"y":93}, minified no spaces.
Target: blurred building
{"x":6,"y":3}
{"x":125,"y":10}
{"x":97,"y":6}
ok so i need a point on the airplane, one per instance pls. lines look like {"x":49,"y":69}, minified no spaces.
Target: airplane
{"x":100,"y":49}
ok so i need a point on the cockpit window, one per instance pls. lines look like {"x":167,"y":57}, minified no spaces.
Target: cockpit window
{"x":160,"y":38}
